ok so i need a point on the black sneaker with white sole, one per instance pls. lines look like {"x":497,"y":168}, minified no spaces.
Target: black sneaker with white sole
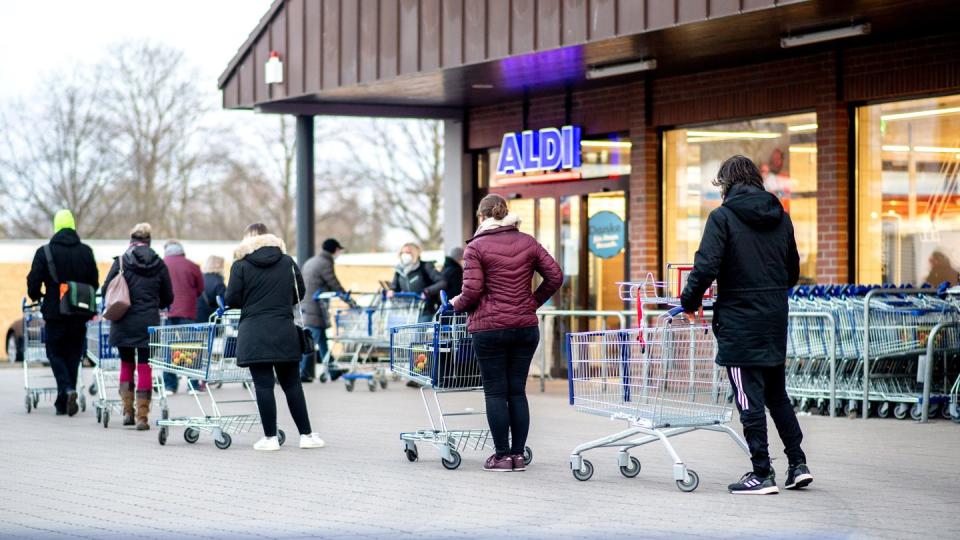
{"x":798,"y":476}
{"x":754,"y":484}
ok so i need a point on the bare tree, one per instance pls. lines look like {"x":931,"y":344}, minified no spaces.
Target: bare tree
{"x":403,"y":162}
{"x":156,"y":106}
{"x":53,"y":155}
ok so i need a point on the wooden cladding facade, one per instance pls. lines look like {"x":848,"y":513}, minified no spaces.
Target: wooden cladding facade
{"x":330,"y":44}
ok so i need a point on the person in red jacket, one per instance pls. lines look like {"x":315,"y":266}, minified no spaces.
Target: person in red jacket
{"x":187,"y":282}
{"x":498,"y":268}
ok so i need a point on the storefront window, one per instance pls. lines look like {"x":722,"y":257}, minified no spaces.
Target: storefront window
{"x":908,"y":162}
{"x":785,"y":149}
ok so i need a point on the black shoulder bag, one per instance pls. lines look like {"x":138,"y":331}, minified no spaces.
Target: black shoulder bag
{"x":307,"y":346}
{"x":76,"y":298}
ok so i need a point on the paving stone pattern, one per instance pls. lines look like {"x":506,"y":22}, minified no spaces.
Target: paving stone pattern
{"x":70,"y":478}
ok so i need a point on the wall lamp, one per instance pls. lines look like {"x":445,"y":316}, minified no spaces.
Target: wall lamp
{"x":612,"y":70}
{"x":825,"y":35}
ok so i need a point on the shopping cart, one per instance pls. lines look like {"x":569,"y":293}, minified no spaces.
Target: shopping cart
{"x":206,"y":352}
{"x":661,"y":380}
{"x":38,"y":380}
{"x":439,"y":357}
{"x":364,"y":332}
{"x":106,"y":374}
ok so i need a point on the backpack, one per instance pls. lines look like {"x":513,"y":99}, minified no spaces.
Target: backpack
{"x":116,"y":299}
{"x":76,"y":299}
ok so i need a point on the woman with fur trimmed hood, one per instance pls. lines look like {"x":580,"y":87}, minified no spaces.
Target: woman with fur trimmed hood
{"x":264,"y":283}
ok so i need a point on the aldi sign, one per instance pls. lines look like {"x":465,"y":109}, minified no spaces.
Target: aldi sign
{"x":543,"y":150}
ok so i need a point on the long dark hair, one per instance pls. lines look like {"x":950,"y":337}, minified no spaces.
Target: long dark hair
{"x":737,"y":170}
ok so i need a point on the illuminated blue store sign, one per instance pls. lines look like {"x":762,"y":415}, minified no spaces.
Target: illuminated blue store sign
{"x":547,"y":149}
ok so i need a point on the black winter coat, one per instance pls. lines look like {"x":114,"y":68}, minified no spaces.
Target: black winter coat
{"x":213,"y":286}
{"x":74,"y":262}
{"x":748,"y":246}
{"x":452,"y":273}
{"x":423,"y":279}
{"x":262,"y":287}
{"x":150,"y":291}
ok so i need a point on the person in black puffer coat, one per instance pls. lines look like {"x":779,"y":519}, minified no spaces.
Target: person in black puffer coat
{"x":264,"y":284}
{"x":150,"y":291}
{"x":749,"y":248}
{"x":66,"y":334}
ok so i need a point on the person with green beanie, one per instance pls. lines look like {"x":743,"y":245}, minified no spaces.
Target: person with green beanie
{"x":66,"y":334}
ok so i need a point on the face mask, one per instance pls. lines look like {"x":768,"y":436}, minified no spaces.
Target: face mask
{"x":406,"y":258}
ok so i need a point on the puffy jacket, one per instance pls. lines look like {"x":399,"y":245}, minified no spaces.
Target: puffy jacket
{"x":187,"y":286}
{"x":748,"y":246}
{"x":423,"y":278}
{"x":320,"y":276}
{"x":262,"y":287}
{"x":213,"y":286}
{"x":498,"y":267}
{"x":452,"y":273}
{"x":150,"y":291}
{"x":74,"y":262}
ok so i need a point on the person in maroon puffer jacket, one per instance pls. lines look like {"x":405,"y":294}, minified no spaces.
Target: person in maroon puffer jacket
{"x":498,"y":267}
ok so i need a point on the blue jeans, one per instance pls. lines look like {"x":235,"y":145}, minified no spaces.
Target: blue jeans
{"x":308,"y":362}
{"x":171,"y":380}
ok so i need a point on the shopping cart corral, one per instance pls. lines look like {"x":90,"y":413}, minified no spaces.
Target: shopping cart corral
{"x":106,"y":375}
{"x":439,"y":357}
{"x":887,"y":342}
{"x":38,"y":379}
{"x":363,"y":333}
{"x":206,"y":352}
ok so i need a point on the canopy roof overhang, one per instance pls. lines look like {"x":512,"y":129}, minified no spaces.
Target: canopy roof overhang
{"x":433,"y":58}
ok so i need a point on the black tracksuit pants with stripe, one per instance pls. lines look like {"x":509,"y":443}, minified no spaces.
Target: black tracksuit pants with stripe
{"x":756,"y":387}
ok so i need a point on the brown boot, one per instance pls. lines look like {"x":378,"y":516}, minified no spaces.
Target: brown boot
{"x":126,"y":397}
{"x":143,"y":409}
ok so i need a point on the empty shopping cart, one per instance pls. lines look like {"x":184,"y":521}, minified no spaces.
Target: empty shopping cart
{"x":38,"y":380}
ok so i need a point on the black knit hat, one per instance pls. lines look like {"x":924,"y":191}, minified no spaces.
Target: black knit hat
{"x":330,"y":245}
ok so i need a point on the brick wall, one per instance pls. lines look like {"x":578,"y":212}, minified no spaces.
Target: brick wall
{"x":829,"y":82}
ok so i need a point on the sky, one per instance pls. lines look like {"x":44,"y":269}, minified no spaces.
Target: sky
{"x":40,"y":36}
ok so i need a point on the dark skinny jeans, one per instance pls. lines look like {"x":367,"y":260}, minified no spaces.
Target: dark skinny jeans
{"x":288,"y":375}
{"x":504,"y":357}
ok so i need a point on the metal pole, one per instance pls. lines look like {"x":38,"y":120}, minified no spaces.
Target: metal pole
{"x":305,"y":189}
{"x":928,"y":372}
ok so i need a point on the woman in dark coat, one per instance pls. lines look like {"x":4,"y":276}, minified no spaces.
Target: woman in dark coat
{"x":413,"y":275}
{"x":264,"y":284}
{"x":150,"y":291}
{"x":498,"y":268}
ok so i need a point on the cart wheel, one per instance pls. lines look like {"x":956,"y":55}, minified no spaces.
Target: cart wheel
{"x":690,"y":484}
{"x":281,"y":437}
{"x":901,"y":411}
{"x":955,"y":413}
{"x":883,"y":410}
{"x":83,"y":403}
{"x":585,"y":472}
{"x":372,"y":385}
{"x":191,"y":435}
{"x":632,"y":470}
{"x":934,"y":410}
{"x":106,"y":418}
{"x":93,"y":389}
{"x":383,"y":383}
{"x":349,"y":385}
{"x":916,"y":411}
{"x":36,"y":399}
{"x":165,"y":414}
{"x":411,"y":453}
{"x":323,"y":377}
{"x":804,"y":405}
{"x":527,"y":455}
{"x":99,"y":412}
{"x":224,"y":442}
{"x":945,"y":412}
{"x":28,"y":403}
{"x":162,"y":435}
{"x":454,"y":462}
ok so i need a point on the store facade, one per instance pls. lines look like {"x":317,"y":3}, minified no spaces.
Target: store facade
{"x":859,"y":137}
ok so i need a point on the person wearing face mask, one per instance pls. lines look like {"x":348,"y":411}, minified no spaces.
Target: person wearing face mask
{"x":320,"y":277}
{"x":422,"y":277}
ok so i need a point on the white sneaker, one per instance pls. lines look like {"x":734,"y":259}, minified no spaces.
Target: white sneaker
{"x":268,"y":444}
{"x":311,"y":441}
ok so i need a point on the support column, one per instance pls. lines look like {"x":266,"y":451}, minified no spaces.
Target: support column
{"x":305,"y":189}
{"x":457,"y":186}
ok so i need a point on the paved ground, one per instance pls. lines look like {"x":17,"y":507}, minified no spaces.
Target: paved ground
{"x":68,"y":477}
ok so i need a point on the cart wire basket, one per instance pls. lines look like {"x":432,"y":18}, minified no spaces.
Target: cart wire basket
{"x":661,"y":380}
{"x":38,"y":381}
